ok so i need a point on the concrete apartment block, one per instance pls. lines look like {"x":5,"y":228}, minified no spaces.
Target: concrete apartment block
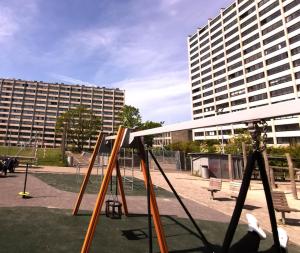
{"x":29,"y":109}
{"x":248,"y":56}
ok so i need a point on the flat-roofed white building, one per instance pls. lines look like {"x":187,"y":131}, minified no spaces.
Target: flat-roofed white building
{"x":248,"y":56}
{"x":29,"y":109}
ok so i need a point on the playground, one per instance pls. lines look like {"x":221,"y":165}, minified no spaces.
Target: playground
{"x":44,"y":222}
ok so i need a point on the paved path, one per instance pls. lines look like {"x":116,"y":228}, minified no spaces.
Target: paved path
{"x":193,"y":188}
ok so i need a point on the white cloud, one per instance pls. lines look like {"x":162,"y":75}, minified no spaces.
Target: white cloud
{"x":14,"y":16}
{"x":8,"y":25}
{"x":159,"y":98}
{"x":70,"y":80}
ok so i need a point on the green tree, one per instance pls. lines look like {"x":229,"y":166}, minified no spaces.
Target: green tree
{"x":79,"y":125}
{"x":148,"y":125}
{"x":234,"y":145}
{"x":130,"y":117}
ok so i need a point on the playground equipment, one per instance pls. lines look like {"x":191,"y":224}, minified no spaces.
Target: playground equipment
{"x":255,"y":118}
{"x":24,"y":193}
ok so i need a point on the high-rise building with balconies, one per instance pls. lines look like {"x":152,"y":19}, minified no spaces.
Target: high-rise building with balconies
{"x":29,"y":109}
{"x":248,"y":56}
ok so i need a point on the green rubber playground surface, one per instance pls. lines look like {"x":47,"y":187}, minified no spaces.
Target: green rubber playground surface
{"x":72,"y":183}
{"x":38,"y":229}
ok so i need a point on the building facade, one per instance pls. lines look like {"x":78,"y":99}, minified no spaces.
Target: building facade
{"x":168,"y":138}
{"x":248,"y":56}
{"x":29,"y":109}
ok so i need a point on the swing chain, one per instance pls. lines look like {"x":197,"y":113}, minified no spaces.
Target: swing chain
{"x":256,"y":129}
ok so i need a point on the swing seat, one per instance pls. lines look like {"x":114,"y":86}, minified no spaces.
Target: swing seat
{"x":113,"y":209}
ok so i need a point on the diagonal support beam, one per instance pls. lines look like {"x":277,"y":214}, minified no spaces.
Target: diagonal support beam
{"x":153,"y":204}
{"x":103,"y":189}
{"x":88,"y":174}
{"x":121,"y":189}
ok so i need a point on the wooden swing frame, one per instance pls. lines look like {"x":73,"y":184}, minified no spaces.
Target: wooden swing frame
{"x":112,"y":163}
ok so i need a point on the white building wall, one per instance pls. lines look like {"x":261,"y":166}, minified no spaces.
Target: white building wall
{"x":248,"y":56}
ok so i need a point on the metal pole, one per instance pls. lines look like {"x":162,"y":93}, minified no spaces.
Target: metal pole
{"x":24,"y":190}
{"x":208,"y":245}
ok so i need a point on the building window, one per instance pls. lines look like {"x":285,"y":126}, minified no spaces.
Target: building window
{"x":236,"y":83}
{"x":195,"y":76}
{"x":249,"y":40}
{"x":236,"y":74}
{"x":229,"y":9}
{"x":261,"y":3}
{"x":270,"y":18}
{"x":208,"y":93}
{"x":216,"y":35}
{"x":206,"y":86}
{"x":195,"y":69}
{"x":204,"y":50}
{"x":254,"y":67}
{"x":277,"y":58}
{"x":233,"y":31}
{"x":255,"y":77}
{"x":232,"y":49}
{"x":234,"y":57}
{"x":237,"y":93}
{"x":234,"y":66}
{"x":221,"y":97}
{"x":294,"y":15}
{"x":218,"y":57}
{"x":229,"y":17}
{"x":222,"y":88}
{"x":291,"y":5}
{"x":294,"y":39}
{"x":249,"y":30}
{"x":205,"y":57}
{"x":245,"y":5}
{"x":256,"y":87}
{"x":296,"y":50}
{"x":280,"y":92}
{"x":246,"y":13}
{"x":238,"y":102}
{"x":220,"y":72}
{"x":278,"y":69}
{"x":217,"y":49}
{"x":208,"y":101}
{"x":233,"y":40}
{"x":220,"y":64}
{"x":194,"y":57}
{"x":272,"y":27}
{"x":258,"y":97}
{"x":275,"y":48}
{"x":221,"y":80}
{"x":205,"y":64}
{"x":194,"y":63}
{"x":269,"y":8}
{"x":203,"y":36}
{"x":206,"y":78}
{"x":252,"y":58}
{"x":273,"y":37}
{"x":195,"y":83}
{"x":296,"y":63}
{"x":205,"y":71}
{"x":289,"y":127}
{"x":294,"y":27}
{"x":230,"y":25}
{"x":252,"y":48}
{"x":248,"y":21}
{"x":218,"y":41}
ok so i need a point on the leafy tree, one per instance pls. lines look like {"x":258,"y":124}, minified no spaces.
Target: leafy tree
{"x":234,"y":145}
{"x":130,"y":117}
{"x":79,"y":125}
{"x":148,"y":125}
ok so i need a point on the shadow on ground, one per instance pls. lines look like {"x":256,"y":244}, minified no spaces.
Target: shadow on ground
{"x":37,"y":229}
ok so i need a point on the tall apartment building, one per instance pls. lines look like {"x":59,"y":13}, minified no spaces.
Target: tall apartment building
{"x":29,"y":109}
{"x":248,"y":56}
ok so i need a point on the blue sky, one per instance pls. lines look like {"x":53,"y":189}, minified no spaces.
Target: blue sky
{"x":137,"y":45}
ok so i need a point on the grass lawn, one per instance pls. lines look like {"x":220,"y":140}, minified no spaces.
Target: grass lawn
{"x":72,"y":183}
{"x":49,"y":156}
{"x":37,"y":229}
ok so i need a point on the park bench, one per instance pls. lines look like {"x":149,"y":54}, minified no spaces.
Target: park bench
{"x":234,"y":187}
{"x":281,"y":204}
{"x":215,"y":185}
